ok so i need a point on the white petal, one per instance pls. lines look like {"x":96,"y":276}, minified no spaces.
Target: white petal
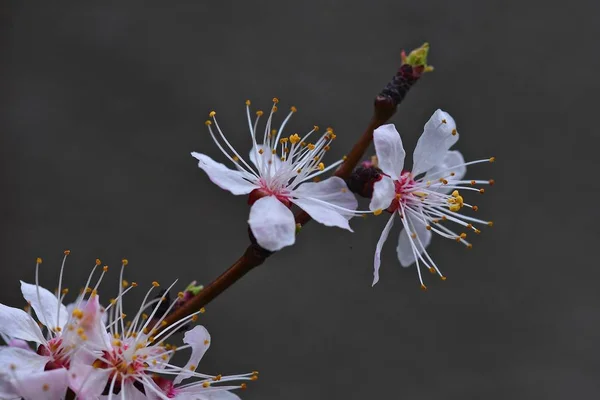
{"x":82,"y":304}
{"x":404,"y":249}
{"x":199,"y":339}
{"x":130,"y":392}
{"x":332,"y":190}
{"x":46,"y":305}
{"x":443,"y":170}
{"x":44,"y":385}
{"x":380,"y":242}
{"x":25,"y":361}
{"x":86,"y":381}
{"x":435,"y":141}
{"x":96,"y":334}
{"x":383,"y":194}
{"x":389,"y":150}
{"x":21,"y":344}
{"x":224,"y":177}
{"x":265,"y":157}
{"x":323,"y":214}
{"x":17,"y":324}
{"x":272,"y":224}
{"x":200,"y":393}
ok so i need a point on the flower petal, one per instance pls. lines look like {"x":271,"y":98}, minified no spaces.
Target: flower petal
{"x":86,"y":381}
{"x":130,"y":392}
{"x":199,"y":339}
{"x":272,"y":224}
{"x":380,"y":242}
{"x":264,"y":159}
{"x":323,"y":213}
{"x":404,"y":249}
{"x":17,"y":324}
{"x":97,"y":337}
{"x":332,"y":190}
{"x":25,"y":361}
{"x":21,"y":344}
{"x":44,"y":385}
{"x":439,"y":134}
{"x":445,"y":168}
{"x":224,"y":177}
{"x":45,"y":305}
{"x":316,"y":199}
{"x":383,"y":193}
{"x":389,"y":150}
{"x":197,"y":392}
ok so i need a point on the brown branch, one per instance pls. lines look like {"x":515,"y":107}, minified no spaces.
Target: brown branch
{"x":385,"y":106}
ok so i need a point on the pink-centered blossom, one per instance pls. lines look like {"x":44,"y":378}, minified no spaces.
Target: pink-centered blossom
{"x":279,"y":174}
{"x":426,"y":198}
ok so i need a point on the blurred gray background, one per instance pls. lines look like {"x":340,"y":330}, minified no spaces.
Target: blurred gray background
{"x":102,"y":102}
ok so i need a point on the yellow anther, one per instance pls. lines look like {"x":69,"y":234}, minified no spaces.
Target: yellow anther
{"x":206,"y":342}
{"x":45,"y":387}
{"x":316,"y":179}
{"x":413,"y":235}
{"x":217,"y":378}
{"x":454,"y":207}
{"x":443,"y":121}
{"x":344,"y":158}
{"x":326,"y":148}
{"x":80,"y":331}
{"x":180,"y":295}
{"x":212,"y":114}
{"x":206,"y":384}
{"x":144,"y":316}
{"x":123,"y":315}
{"x":275,"y":100}
{"x":207,"y":122}
{"x":259,"y":113}
{"x":163,"y":323}
{"x":248,"y":102}
{"x":58,"y":329}
{"x":88,"y":290}
{"x":477,"y":231}
{"x":482,"y":190}
{"x":67,"y":252}
{"x":282,"y":158}
{"x":202,"y":310}
{"x":463,"y":235}
{"x":235,"y":158}
{"x":283,"y":140}
{"x":273,"y":152}
{"x":442,"y":277}
{"x":311,"y":146}
{"x":316,"y":158}
{"x":275,"y":108}
{"x":295,"y":138}
{"x":444,"y":181}
{"x":423,"y":287}
{"x":454,"y":132}
{"x":125,"y":283}
{"x":286,"y":150}
{"x":293,"y":109}
{"x":124,"y":261}
{"x":194,"y":318}
{"x":452,"y":174}
{"x":299,"y":170}
{"x":116,"y":342}
{"x":398,"y":196}
{"x":455,"y":193}
{"x":491,"y":182}
{"x":490,"y":223}
{"x":77,"y":313}
{"x":38,"y":260}
{"x":473,"y":182}
{"x":321,"y":166}
{"x":315,"y":128}
{"x":457,"y":239}
{"x":105,"y":268}
{"x":133,"y":284}
{"x":65,"y":291}
{"x":243,"y":386}
{"x":303,"y":144}
{"x":113,"y":301}
{"x":344,"y":190}
{"x":378,"y":211}
{"x":192,"y":367}
{"x":444,"y":218}
{"x":98,"y":262}
{"x":492,"y":159}
{"x":428,"y":227}
{"x":260,"y":151}
{"x":155,"y":284}
{"x":432,"y":270}
{"x":475,"y":208}
{"x":469,"y":246}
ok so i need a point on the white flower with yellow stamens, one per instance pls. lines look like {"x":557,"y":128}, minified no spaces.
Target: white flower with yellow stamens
{"x":80,"y":333}
{"x":425,"y":197}
{"x":137,"y":356}
{"x":282,"y":167}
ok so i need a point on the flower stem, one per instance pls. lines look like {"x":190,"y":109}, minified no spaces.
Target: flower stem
{"x":385,"y":106}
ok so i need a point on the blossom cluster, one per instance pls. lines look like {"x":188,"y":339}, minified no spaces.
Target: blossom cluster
{"x":285,"y":170}
{"x":86,"y":351}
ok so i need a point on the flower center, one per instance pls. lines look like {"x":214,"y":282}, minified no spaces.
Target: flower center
{"x":54,"y":350}
{"x":404,"y":188}
{"x":282,"y":195}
